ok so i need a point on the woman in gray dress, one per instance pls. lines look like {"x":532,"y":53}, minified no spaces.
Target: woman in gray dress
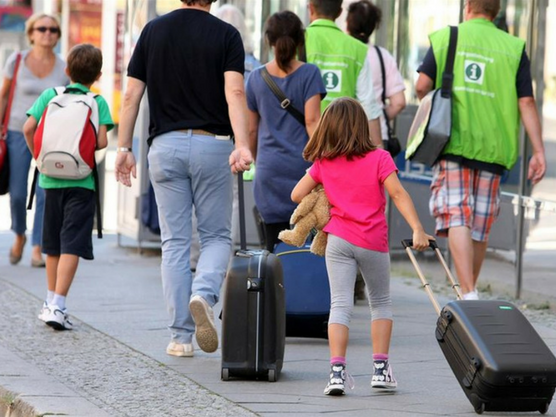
{"x":40,"y":68}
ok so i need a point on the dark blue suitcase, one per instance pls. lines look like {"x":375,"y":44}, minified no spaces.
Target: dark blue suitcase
{"x":498,"y":358}
{"x":307,"y":291}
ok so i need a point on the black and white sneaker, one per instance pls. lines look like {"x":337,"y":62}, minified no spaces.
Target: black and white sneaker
{"x":383,"y":378}
{"x":338,"y":377}
{"x":57,"y":318}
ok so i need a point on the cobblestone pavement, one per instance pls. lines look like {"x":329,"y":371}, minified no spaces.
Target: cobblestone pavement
{"x":127,"y":383}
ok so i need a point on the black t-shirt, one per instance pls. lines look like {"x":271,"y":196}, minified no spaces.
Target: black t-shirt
{"x":182,"y":57}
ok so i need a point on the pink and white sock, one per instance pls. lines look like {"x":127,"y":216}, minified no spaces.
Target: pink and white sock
{"x":338,"y":359}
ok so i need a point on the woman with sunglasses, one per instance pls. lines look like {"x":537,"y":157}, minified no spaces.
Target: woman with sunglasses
{"x":39,"y":68}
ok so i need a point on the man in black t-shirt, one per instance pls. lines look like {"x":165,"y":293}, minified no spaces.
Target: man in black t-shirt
{"x":192,"y":64}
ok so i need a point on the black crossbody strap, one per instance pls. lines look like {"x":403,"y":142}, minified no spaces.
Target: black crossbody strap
{"x":285,"y":102}
{"x":448,"y":74}
{"x":383,"y":72}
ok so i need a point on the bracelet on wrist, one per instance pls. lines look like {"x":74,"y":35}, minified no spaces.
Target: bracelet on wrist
{"x":123,"y":149}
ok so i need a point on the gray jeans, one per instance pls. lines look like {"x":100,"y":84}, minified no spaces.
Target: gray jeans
{"x":191,"y":170}
{"x":343,"y":260}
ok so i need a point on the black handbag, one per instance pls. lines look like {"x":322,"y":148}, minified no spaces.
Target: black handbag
{"x":4,"y":157}
{"x":4,"y":168}
{"x":392,"y":143}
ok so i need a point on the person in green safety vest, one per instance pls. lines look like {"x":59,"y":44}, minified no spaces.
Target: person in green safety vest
{"x":492,"y":88}
{"x":342,"y":61}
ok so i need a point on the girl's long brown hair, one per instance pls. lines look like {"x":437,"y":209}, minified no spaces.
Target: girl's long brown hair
{"x":343,"y":130}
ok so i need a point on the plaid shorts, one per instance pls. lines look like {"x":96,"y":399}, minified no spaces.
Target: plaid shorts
{"x":463,"y":196}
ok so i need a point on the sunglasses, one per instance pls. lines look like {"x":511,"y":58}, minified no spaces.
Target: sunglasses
{"x":43,"y":29}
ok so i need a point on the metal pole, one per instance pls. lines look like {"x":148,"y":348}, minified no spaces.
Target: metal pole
{"x":151,"y":10}
{"x":265,"y":13}
{"x":536,"y":35}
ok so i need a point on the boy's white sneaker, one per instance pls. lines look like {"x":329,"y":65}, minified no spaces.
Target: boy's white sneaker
{"x":44,"y":312}
{"x":205,"y":330}
{"x":180,"y":349}
{"x":57,"y":318}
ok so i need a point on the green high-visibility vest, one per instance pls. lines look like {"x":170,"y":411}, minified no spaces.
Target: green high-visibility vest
{"x":485,"y":113}
{"x":339,"y":57}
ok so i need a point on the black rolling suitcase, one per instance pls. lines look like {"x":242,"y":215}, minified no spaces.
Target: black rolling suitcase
{"x":253,"y":313}
{"x":500,"y":361}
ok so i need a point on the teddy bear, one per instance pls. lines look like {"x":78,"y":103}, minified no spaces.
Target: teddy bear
{"x":312,"y":212}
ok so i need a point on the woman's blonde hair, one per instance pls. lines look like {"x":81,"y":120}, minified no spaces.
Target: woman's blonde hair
{"x":30,"y":23}
{"x":343,"y":130}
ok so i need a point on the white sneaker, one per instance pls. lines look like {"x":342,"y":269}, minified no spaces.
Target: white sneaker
{"x":180,"y":349}
{"x":472,"y":295}
{"x":205,"y":331}
{"x":44,"y":312}
{"x":57,"y":318}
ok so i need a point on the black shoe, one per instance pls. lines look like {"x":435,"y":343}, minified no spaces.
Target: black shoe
{"x":382,"y":376}
{"x":337,"y":381}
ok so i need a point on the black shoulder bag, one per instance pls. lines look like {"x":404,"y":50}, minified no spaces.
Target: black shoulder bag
{"x":392,"y":144}
{"x":285,"y":102}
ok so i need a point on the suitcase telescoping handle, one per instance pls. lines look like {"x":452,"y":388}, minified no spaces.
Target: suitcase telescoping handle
{"x":408,"y":244}
{"x":241,"y":201}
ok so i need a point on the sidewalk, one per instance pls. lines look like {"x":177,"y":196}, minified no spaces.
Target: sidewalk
{"x":114,"y":363}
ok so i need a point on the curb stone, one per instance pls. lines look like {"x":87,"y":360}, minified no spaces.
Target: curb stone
{"x":116,"y":379}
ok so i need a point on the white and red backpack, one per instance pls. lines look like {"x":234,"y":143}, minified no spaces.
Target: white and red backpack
{"x":66,"y":138}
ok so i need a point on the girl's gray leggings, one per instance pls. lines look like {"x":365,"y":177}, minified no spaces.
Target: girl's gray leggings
{"x":343,"y":260}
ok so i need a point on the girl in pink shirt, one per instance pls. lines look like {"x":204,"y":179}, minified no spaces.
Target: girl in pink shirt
{"x":354,"y":174}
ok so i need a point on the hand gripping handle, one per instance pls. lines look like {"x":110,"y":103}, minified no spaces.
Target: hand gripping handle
{"x":408,"y":244}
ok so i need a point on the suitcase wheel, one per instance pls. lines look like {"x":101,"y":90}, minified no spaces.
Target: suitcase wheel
{"x":272,"y":375}
{"x":481,"y":408}
{"x":544,"y":408}
{"x":225,"y":374}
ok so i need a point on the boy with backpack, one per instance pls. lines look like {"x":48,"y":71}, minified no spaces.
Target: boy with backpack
{"x":65,"y":127}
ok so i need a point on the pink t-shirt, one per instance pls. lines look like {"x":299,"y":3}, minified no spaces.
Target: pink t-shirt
{"x":355,"y":190}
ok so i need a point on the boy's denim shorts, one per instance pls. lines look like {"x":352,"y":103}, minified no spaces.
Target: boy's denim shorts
{"x":68,"y":222}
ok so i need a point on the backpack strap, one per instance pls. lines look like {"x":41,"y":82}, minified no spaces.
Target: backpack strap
{"x":33,"y":185}
{"x":97,"y":198}
{"x":59,"y":90}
